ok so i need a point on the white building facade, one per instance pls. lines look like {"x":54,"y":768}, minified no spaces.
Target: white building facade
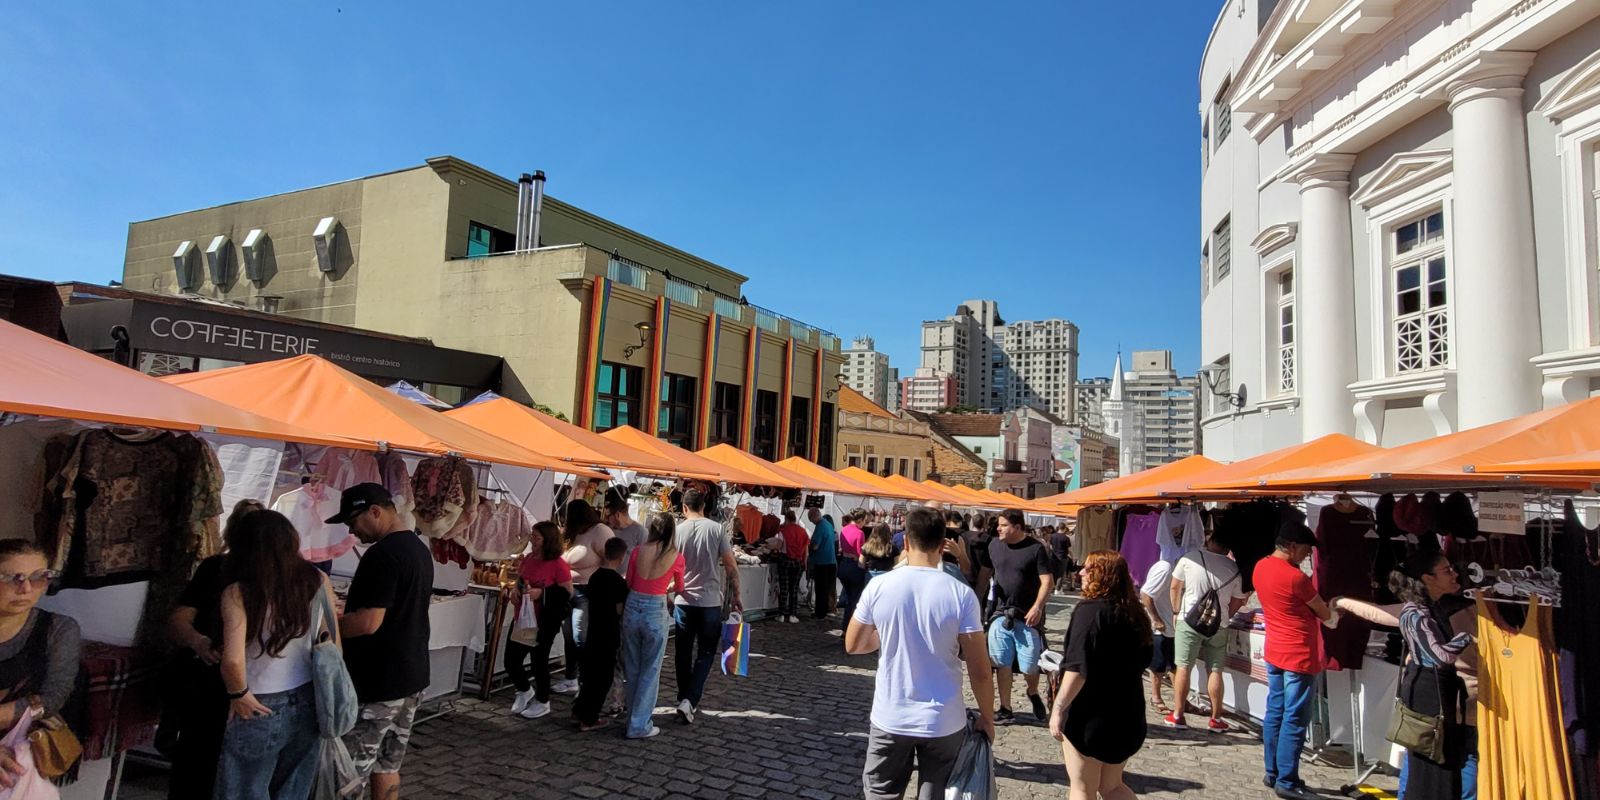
{"x":1399,"y":217}
{"x":1002,"y":367}
{"x":1040,"y":368}
{"x":958,"y":346}
{"x":867,"y":371}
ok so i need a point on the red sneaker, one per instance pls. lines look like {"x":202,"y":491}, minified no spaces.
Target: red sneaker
{"x":1218,"y":726}
{"x":1174,"y":720}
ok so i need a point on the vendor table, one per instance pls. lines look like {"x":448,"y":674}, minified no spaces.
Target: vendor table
{"x":758,"y":590}
{"x":455,"y":625}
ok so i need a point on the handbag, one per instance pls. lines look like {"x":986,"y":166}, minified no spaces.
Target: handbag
{"x":1420,"y":734}
{"x":55,"y":747}
{"x":1206,"y":615}
{"x":337,"y":705}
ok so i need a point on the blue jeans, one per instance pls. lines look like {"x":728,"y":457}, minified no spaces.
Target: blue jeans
{"x":644,"y":645}
{"x":272,"y":757}
{"x":575,"y":632}
{"x":1283,"y":732}
{"x":696,"y":634}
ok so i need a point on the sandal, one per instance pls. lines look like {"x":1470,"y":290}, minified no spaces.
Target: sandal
{"x":603,"y":723}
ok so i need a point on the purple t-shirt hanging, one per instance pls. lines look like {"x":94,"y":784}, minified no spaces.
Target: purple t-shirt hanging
{"x":1139,"y":546}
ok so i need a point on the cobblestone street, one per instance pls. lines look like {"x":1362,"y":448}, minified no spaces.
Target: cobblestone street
{"x":795,"y":728}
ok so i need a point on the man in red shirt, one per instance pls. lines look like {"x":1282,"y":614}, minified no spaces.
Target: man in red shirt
{"x":1293,"y":653}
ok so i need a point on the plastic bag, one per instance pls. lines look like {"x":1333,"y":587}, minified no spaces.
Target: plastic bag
{"x":735,"y":647}
{"x":29,"y":785}
{"x":337,"y":777}
{"x":972,"y":778}
{"x":525,"y":628}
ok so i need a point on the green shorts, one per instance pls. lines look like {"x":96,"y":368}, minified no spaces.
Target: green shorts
{"x":1191,"y":646}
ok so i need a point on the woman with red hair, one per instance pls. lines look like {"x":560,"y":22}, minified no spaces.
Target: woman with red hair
{"x":1099,"y":712}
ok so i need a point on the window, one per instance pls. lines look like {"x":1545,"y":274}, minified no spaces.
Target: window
{"x":825,"y":436}
{"x":725,"y":413}
{"x":626,"y":272}
{"x":1421,"y":294}
{"x":680,"y":292}
{"x":1222,"y":114}
{"x":800,"y":427}
{"x":872,"y":464}
{"x":916,"y":470}
{"x":1219,"y":401}
{"x":1283,"y":289}
{"x":617,"y":403}
{"x":1205,"y":144}
{"x":676,"y":423}
{"x":484,"y":240}
{"x":728,"y":308}
{"x":905,"y":467}
{"x":1205,"y":268}
{"x":765,"y":441}
{"x":1222,"y":249}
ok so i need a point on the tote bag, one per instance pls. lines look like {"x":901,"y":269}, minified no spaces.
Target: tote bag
{"x":337,"y":706}
{"x":30,"y":785}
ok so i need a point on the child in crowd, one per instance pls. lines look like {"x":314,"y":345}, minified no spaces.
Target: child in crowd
{"x":607,"y":594}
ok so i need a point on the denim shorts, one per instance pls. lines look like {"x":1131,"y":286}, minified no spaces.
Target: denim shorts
{"x":1013,"y":644}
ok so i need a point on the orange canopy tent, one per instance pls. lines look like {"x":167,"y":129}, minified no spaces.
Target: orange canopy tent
{"x":771,"y":474}
{"x":313,"y":392}
{"x":949,"y":493}
{"x":1003,"y":499}
{"x":921,"y":492}
{"x":686,"y":460}
{"x":1132,"y":487}
{"x":1444,"y":461}
{"x":1585,"y":464}
{"x":973,"y":497}
{"x":836,"y":483}
{"x":1322,"y":450}
{"x":881,"y":487}
{"x":48,"y":378}
{"x":542,"y":433}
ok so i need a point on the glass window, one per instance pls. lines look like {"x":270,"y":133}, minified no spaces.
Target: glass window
{"x":1222,"y":249}
{"x":1222,"y":114}
{"x":800,"y":427}
{"x":484,"y":240}
{"x":617,"y":402}
{"x":764,"y":442}
{"x":1421,"y":306}
{"x":678,"y":398}
{"x":825,"y":436}
{"x":872,"y":464}
{"x":726,"y":406}
{"x":1286,"y":349}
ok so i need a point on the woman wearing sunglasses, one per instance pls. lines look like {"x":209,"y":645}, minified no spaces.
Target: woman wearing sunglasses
{"x":39,"y":651}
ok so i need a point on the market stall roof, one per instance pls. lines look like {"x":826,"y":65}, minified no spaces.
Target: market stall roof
{"x":918,"y":490}
{"x":771,"y":474}
{"x":973,"y":497}
{"x":881,"y":487}
{"x":949,"y":493}
{"x":48,"y":378}
{"x":1006,"y":500}
{"x":415,"y":395}
{"x":837,"y":483}
{"x":1585,"y":464}
{"x":542,"y":433}
{"x":1444,"y":462}
{"x":684,"y":459}
{"x":1322,"y":450}
{"x":313,"y":392}
{"x":1131,"y":486}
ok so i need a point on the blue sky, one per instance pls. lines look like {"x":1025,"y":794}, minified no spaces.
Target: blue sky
{"x":869,"y":165}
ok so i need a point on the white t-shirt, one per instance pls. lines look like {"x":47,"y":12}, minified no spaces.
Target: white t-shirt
{"x":920,"y":614}
{"x":1200,"y":571}
{"x":1158,"y":585}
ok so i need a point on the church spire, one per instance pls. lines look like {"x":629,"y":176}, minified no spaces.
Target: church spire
{"x":1116,"y":380}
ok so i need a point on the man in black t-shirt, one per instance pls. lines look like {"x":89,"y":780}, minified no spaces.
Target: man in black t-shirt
{"x":1022,"y":583}
{"x":385,"y":630}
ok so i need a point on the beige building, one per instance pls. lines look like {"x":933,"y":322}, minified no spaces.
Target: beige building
{"x":602,"y":323}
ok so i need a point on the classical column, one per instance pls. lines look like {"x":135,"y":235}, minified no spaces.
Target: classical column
{"x":1495,"y":313}
{"x":1326,"y":340}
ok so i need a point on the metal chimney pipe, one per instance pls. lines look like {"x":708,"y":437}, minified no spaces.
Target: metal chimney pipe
{"x":524,"y":203}
{"x":538,"y":208}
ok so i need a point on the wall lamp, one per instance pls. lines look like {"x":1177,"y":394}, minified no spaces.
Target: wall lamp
{"x":1212,"y":373}
{"x":840,"y":379}
{"x":644,"y":338}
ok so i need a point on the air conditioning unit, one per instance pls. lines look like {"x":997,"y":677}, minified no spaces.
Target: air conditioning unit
{"x":219,"y":261}
{"x":325,"y":237}
{"x":254,"y":247}
{"x":184,"y":267}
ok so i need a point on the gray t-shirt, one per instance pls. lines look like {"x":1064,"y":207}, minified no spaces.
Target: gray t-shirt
{"x":703,"y":544}
{"x":633,"y":534}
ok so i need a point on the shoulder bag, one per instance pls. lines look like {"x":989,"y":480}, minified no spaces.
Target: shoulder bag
{"x":1205,"y":617}
{"x":1420,"y":734}
{"x":55,"y":747}
{"x":337,"y":706}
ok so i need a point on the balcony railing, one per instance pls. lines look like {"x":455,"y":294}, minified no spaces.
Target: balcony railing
{"x":728,"y":308}
{"x":623,"y":271}
{"x":680,"y":292}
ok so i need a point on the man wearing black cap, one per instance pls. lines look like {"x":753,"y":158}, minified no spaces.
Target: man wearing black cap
{"x":1293,"y":652}
{"x":385,"y":630}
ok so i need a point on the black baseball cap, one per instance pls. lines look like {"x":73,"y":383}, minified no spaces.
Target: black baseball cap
{"x":357,"y":499}
{"x":1296,"y":533}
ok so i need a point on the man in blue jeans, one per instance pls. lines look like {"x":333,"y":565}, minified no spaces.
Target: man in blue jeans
{"x":697,"y":615}
{"x":1293,"y":652}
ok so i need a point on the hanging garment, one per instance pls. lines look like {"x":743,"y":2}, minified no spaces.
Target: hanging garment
{"x":1181,"y":530}
{"x":392,"y":471}
{"x":1522,"y":751}
{"x":446,"y":552}
{"x":342,"y":469}
{"x":1139,"y":546}
{"x":1250,"y":532}
{"x":1095,"y":532}
{"x":444,"y":488}
{"x":307,"y":509}
{"x":499,"y":530}
{"x":1577,"y":633}
{"x":1344,"y":563}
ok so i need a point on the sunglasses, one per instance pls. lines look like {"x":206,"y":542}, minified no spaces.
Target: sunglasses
{"x":18,"y":579}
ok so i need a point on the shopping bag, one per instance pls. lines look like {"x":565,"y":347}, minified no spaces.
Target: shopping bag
{"x":735,"y":646}
{"x":29,"y":785}
{"x":525,"y":628}
{"x":337,"y":777}
{"x":337,"y":705}
{"x":972,"y":777}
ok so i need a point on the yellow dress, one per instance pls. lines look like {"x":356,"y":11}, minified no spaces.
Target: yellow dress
{"x":1522,"y":749}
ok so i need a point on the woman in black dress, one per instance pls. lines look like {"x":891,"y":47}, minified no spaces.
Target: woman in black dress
{"x":1099,"y":712}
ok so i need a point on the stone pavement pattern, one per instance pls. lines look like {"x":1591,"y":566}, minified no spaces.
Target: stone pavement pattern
{"x":795,"y":729}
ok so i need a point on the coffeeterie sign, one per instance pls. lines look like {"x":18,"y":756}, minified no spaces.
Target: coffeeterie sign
{"x":184,"y":330}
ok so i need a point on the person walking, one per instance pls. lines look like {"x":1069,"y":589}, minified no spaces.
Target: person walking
{"x":585,"y":540}
{"x":709,"y":566}
{"x":927,"y":624}
{"x":385,"y":630}
{"x":623,"y":526}
{"x":608,"y":593}
{"x":275,"y":607}
{"x":656,"y":569}
{"x":791,"y":545}
{"x":1157,"y":602}
{"x":1021,"y":590}
{"x":852,"y":576}
{"x":878,"y":555}
{"x":545,"y":579}
{"x":1196,"y":576}
{"x":824,"y":562}
{"x":1293,"y":652}
{"x":1098,"y":714}
{"x":977,"y":536}
{"x":1060,"y":545}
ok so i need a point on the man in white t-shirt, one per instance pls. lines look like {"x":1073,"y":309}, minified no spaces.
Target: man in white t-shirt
{"x":926,"y":623}
{"x":1156,"y":598}
{"x":1193,"y":577}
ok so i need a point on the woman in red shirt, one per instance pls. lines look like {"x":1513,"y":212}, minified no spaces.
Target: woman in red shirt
{"x":655,"y":569}
{"x":546,"y":579}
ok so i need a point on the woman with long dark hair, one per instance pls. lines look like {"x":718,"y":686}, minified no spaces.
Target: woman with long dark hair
{"x":544,"y":578}
{"x":584,"y":539}
{"x":274,"y":608}
{"x":655,"y":570}
{"x":877,"y":554}
{"x":1099,"y":711}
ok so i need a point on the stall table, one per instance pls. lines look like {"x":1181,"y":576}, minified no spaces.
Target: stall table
{"x":758,"y":590}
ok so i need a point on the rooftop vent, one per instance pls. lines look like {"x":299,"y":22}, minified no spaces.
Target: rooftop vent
{"x":184,"y":267}
{"x":219,"y":261}
{"x":325,"y":237}
{"x":255,"y":247}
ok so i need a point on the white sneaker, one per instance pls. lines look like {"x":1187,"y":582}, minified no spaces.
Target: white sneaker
{"x":793,"y":618}
{"x":654,"y":731}
{"x":522,"y":700}
{"x":535,"y":710}
{"x":686,"y":712}
{"x":567,"y":686}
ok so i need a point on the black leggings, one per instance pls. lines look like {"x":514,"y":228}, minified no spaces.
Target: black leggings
{"x":516,"y":656}
{"x":823,"y":576}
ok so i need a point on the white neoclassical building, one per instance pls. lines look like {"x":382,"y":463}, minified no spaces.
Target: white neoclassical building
{"x":1399,"y":216}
